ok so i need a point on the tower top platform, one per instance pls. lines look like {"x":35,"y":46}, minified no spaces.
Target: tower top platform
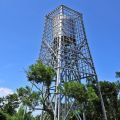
{"x":64,"y":9}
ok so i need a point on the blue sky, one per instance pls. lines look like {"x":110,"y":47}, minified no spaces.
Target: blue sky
{"x":21,"y":29}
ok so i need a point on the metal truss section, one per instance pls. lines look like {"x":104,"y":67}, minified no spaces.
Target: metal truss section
{"x":65,"y":48}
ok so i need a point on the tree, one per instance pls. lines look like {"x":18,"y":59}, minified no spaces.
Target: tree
{"x":28,"y":97}
{"x":22,"y":114}
{"x":9,"y":104}
{"x":117,"y":74}
{"x":110,"y":92}
{"x":41,"y":75}
{"x":38,"y":74}
{"x":20,"y":105}
{"x":83,"y":94}
{"x":3,"y":116}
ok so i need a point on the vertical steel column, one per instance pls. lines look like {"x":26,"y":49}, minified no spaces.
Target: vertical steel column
{"x":98,"y":85}
{"x":58,"y":96}
{"x":102,"y":102}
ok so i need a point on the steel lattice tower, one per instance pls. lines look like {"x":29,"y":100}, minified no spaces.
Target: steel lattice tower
{"x":65,"y":48}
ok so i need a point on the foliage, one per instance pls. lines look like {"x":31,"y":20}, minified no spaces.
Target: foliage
{"x":74,"y":90}
{"x":79,"y":91}
{"x":22,"y":114}
{"x":9,"y":104}
{"x":87,"y":95}
{"x":28,"y":97}
{"x":118,"y":74}
{"x":110,"y":92}
{"x":4,"y":116}
{"x":39,"y":73}
{"x":20,"y":105}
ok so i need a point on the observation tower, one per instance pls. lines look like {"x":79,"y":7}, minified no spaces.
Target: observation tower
{"x":65,"y":48}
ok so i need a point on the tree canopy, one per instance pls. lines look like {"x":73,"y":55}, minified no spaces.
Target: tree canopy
{"x":21,"y":104}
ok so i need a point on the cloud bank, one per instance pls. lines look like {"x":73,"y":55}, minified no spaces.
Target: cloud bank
{"x":5,"y":91}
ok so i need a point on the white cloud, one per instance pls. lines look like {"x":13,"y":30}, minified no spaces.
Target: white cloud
{"x":5,"y":91}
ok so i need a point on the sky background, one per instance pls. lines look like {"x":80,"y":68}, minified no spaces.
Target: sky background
{"x":21,"y":29}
